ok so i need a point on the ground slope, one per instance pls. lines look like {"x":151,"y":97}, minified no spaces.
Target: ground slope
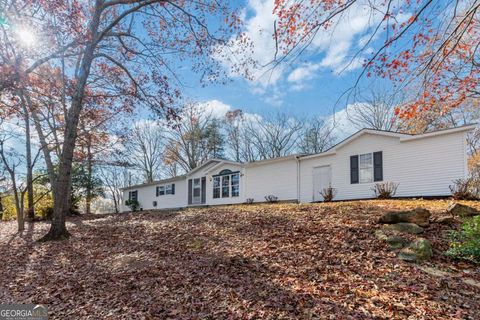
{"x":258,"y":261}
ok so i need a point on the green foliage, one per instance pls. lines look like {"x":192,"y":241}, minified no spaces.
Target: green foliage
{"x":43,"y":204}
{"x":132,"y":204}
{"x":465,"y":243}
{"x":214,"y":139}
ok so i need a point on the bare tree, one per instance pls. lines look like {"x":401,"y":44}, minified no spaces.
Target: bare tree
{"x":376,"y":112}
{"x":11,"y":161}
{"x":274,"y":136}
{"x":192,"y":140}
{"x":144,"y":149}
{"x":112,"y":178}
{"x":317,"y":136}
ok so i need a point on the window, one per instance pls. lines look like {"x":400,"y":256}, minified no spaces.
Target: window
{"x":160,"y":191}
{"x":166,"y":189}
{"x":133,"y":195}
{"x":235,"y":184}
{"x":216,"y":187}
{"x":226,"y":184}
{"x":196,"y":188}
{"x":169,"y":189}
{"x":366,"y":168}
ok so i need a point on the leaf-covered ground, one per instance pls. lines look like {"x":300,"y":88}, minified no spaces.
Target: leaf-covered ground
{"x":238,"y":262}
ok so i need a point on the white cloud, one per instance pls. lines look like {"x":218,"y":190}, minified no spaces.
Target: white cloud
{"x":216,"y":108}
{"x":333,"y":49}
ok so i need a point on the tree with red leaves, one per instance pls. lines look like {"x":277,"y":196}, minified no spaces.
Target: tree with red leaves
{"x":431,"y":46}
{"x":123,"y":52}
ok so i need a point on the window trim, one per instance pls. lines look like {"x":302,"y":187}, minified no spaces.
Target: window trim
{"x":360,"y":168}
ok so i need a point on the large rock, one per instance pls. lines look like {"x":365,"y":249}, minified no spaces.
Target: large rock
{"x":463,"y":211}
{"x":419,"y":216}
{"x":394,"y":241}
{"x":419,"y":250}
{"x":403,"y":227}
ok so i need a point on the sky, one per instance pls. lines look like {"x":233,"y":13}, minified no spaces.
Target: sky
{"x":309,"y":85}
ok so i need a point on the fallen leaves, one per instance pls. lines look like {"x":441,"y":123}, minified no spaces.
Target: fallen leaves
{"x":238,"y":262}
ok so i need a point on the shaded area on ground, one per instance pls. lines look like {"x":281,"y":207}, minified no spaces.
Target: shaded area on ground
{"x":245,"y":261}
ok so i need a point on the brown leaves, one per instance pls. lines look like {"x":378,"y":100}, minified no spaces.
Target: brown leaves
{"x":238,"y":262}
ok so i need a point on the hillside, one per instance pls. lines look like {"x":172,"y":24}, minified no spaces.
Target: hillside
{"x":246,"y":261}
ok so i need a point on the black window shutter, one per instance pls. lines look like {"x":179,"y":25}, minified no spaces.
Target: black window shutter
{"x":189,"y":191}
{"x":157,"y":191}
{"x":173,"y":188}
{"x":377,"y":166}
{"x":204,"y":189}
{"x":354,"y":169}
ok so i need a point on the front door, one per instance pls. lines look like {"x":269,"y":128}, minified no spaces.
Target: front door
{"x":322,"y":178}
{"x":197,"y":191}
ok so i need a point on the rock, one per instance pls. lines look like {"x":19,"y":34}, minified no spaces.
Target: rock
{"x":404,"y":227}
{"x":380,"y":235}
{"x":446,"y":220}
{"x":419,"y":250}
{"x":463,"y":211}
{"x":394,"y":241}
{"x":418,"y":216}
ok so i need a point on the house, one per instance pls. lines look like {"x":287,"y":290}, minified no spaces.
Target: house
{"x":422,"y":165}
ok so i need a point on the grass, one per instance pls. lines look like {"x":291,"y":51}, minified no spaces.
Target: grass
{"x":239,"y":262}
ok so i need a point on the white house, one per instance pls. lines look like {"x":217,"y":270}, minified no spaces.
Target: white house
{"x":421,"y":165}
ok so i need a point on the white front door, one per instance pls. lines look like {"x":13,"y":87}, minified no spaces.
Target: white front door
{"x":322,"y":178}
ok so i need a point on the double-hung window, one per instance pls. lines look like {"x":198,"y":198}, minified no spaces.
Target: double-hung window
{"x":166,"y":189}
{"x":365,"y":168}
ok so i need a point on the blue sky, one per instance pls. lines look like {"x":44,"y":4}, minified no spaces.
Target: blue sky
{"x":309,"y":85}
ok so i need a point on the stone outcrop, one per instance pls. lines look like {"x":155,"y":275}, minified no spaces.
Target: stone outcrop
{"x":419,"y":216}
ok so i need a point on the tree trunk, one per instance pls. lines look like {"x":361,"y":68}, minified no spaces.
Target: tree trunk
{"x":62,"y":191}
{"x":88,"y":198}
{"x":29,"y":164}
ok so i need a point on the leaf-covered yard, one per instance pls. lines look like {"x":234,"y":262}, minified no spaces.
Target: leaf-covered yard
{"x":238,"y":262}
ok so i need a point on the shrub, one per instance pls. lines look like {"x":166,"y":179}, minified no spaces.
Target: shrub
{"x":271,"y":198}
{"x":465,"y":243}
{"x":249,"y":200}
{"x":132,"y":204}
{"x":328,"y":193}
{"x":385,"y":190}
{"x":464,"y":189}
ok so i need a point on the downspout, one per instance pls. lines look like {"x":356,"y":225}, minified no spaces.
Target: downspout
{"x":297,"y":158}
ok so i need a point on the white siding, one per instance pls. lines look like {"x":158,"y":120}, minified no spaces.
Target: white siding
{"x":423,"y":167}
{"x":278,"y":178}
{"x":148,"y":194}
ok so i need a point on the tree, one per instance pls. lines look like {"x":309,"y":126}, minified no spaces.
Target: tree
{"x":233,"y":126}
{"x":126,"y":43}
{"x":10,"y":162}
{"x":317,"y":136}
{"x":194,"y":138}
{"x":434,"y":51}
{"x":274,"y":136}
{"x":214,"y":139}
{"x":145,"y":147}
{"x":376,"y":112}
